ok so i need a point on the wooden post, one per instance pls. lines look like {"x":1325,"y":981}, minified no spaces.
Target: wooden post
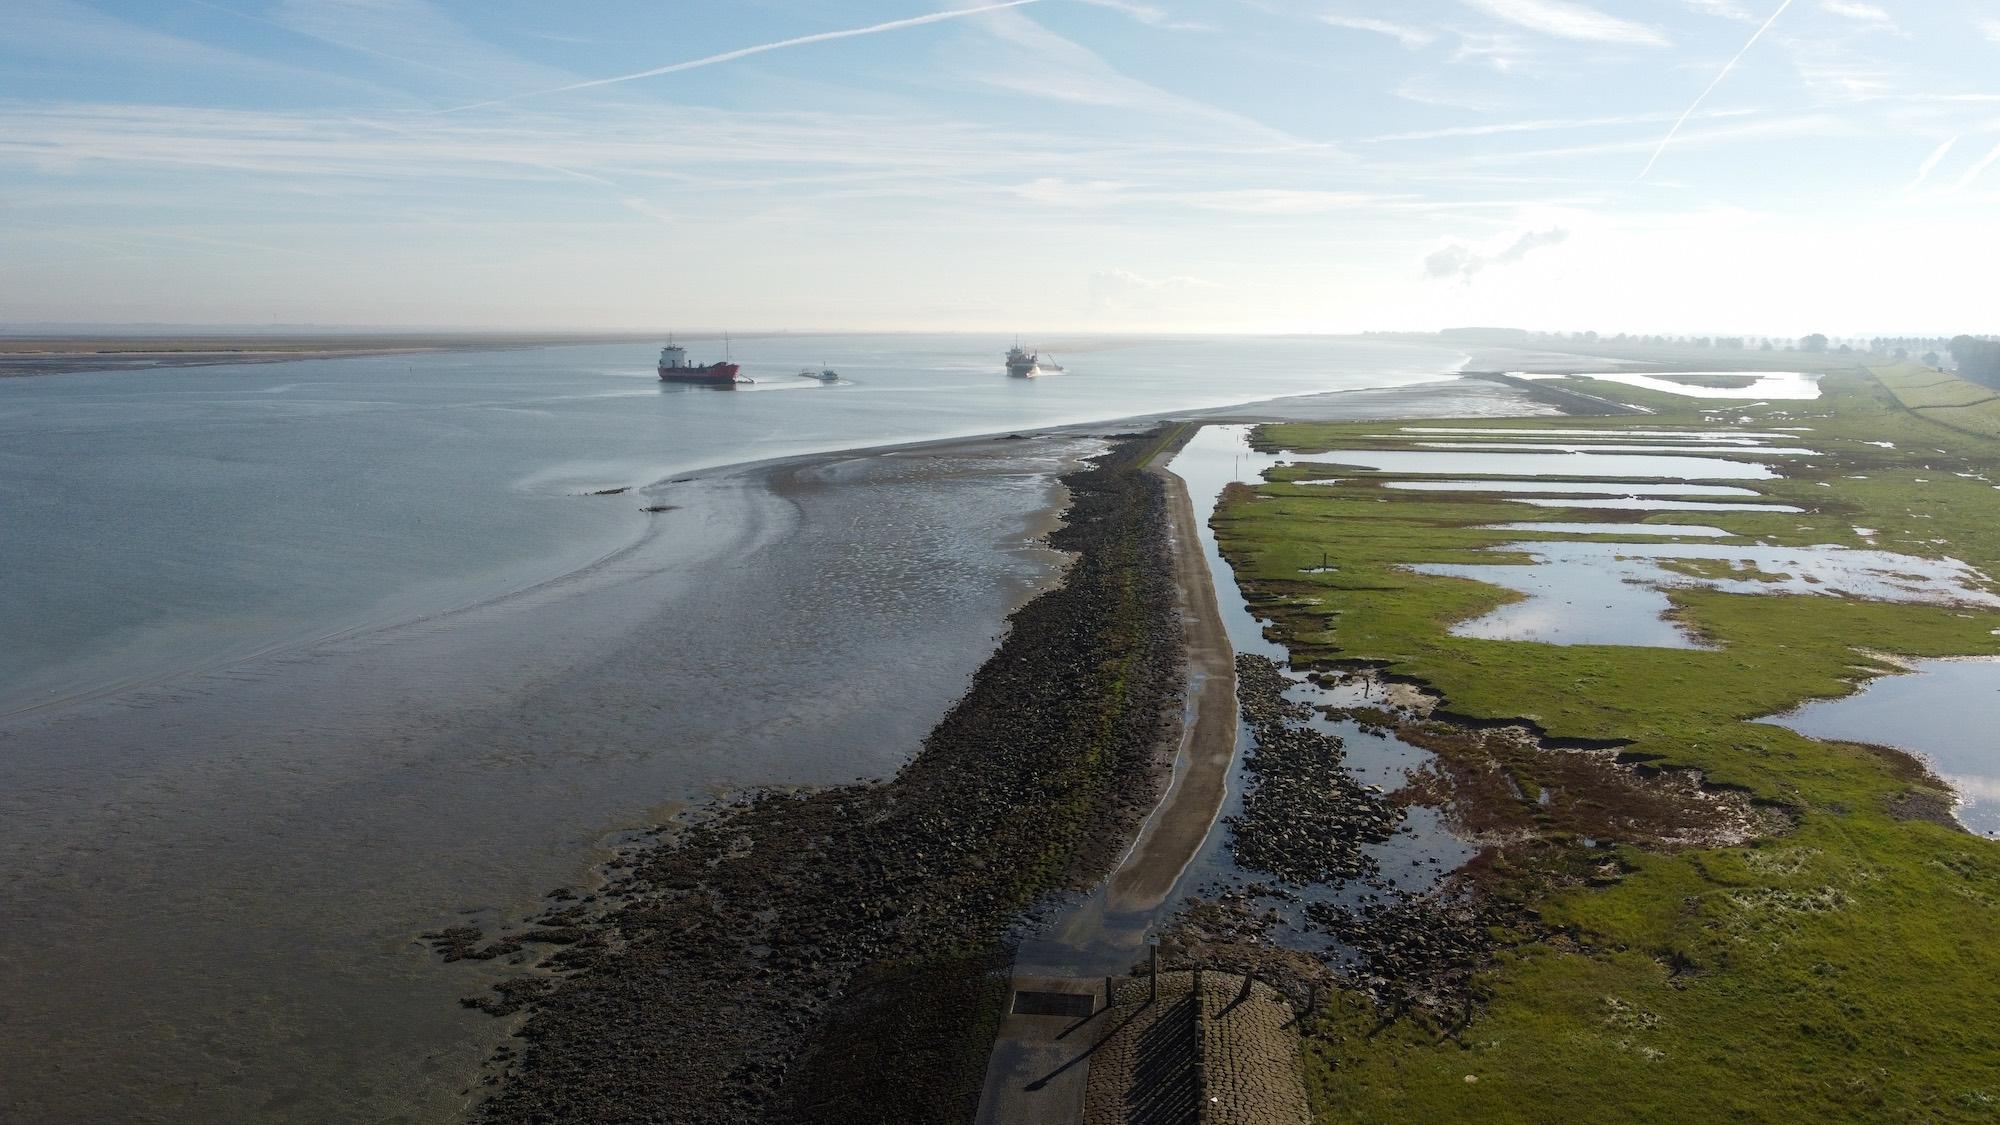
{"x":1154,"y":977}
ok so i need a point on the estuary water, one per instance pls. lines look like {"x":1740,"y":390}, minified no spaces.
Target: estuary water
{"x":304,"y":659}
{"x":163,"y":520}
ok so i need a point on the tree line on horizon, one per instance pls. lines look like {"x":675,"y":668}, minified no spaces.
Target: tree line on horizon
{"x":1978,"y":358}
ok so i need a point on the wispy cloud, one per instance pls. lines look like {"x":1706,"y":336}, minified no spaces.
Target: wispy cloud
{"x":1410,"y":37}
{"x":1930,"y":164}
{"x":1119,"y":290}
{"x":65,"y":29}
{"x":1864,"y":13}
{"x":1726,"y":9}
{"x":1710,"y":89}
{"x":1425,"y":91}
{"x":1973,"y":173}
{"x":1041,"y":63}
{"x":1537,"y":126}
{"x":1149,"y":15}
{"x":1571,"y":21}
{"x":1990,"y":29}
{"x":758,"y":49}
{"x":1462,"y":263}
{"x":1832,"y":69}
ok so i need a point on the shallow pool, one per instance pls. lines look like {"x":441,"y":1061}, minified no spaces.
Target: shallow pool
{"x":1744,"y":449}
{"x":1943,"y":710}
{"x":1688,"y":529}
{"x":1565,"y":487}
{"x":1657,"y":435}
{"x":1767,"y":384}
{"x":1633,"y":505}
{"x":1592,"y":465}
{"x":1594,"y":593}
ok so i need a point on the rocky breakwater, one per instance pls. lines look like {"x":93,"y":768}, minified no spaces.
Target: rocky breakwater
{"x":837,"y":955}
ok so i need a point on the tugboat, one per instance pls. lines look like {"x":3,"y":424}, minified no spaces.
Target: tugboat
{"x":674,"y":367}
{"x":824,"y":374}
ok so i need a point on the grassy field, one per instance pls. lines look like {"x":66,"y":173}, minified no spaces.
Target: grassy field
{"x":1842,"y":969}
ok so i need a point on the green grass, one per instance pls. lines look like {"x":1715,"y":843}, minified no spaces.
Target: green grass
{"x":1844,"y":970}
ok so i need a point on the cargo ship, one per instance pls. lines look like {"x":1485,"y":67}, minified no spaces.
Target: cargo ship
{"x":674,"y":367}
{"x":1023,"y":364}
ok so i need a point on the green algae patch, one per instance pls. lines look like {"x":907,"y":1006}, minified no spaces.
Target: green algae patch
{"x":1839,"y":965}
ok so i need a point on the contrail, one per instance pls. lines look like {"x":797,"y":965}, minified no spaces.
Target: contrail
{"x":1977,"y":171}
{"x":745,"y":52}
{"x":1930,"y":164}
{"x":1675,"y":131}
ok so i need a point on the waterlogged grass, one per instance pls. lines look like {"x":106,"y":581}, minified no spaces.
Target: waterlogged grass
{"x":1845,"y":968}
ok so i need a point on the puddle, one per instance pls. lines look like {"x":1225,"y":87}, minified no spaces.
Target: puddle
{"x":1582,"y":487}
{"x":1765,"y":384}
{"x":1689,"y":529}
{"x":1593,"y":465}
{"x":1746,"y":449}
{"x":1940,"y":711}
{"x":1574,"y":601}
{"x":1584,"y":593}
{"x":1720,"y":436}
{"x":1631,"y":505}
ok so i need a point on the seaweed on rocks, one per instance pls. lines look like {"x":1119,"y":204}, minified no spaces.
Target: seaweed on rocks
{"x":833,"y":956}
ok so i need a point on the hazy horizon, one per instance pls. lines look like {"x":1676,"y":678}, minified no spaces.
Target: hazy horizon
{"x":1213,"y":166}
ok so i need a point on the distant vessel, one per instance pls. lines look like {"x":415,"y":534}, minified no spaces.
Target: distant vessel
{"x":674,"y":367}
{"x":1024,"y":364}
{"x":824,"y":374}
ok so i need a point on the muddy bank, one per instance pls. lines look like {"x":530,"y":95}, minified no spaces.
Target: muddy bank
{"x":57,"y":355}
{"x":1571,"y":403}
{"x":836,"y":955}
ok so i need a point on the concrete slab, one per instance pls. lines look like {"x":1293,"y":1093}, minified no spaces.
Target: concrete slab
{"x":1040,"y":1064}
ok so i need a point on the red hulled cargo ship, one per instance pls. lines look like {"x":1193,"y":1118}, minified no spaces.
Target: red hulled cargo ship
{"x":674,"y":368}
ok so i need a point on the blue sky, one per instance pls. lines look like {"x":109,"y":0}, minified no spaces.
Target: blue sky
{"x":1198,"y":165}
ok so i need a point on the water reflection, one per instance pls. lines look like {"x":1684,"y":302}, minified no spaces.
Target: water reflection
{"x":1583,"y":593}
{"x":1761,"y":384}
{"x":1942,"y":710}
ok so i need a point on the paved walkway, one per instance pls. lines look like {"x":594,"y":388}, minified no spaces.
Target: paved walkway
{"x":1174,"y":833}
{"x":1040,"y":1063}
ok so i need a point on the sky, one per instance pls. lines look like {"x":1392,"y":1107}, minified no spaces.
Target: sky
{"x":1700,"y":166}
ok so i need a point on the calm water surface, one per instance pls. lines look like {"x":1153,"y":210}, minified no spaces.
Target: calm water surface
{"x":1942,"y":710}
{"x":162,"y":520}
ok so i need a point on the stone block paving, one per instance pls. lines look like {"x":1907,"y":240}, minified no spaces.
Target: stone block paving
{"x":1212,"y":1049}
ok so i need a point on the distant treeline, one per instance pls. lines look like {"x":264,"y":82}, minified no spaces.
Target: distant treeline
{"x":1975,"y":357}
{"x":1978,"y":358}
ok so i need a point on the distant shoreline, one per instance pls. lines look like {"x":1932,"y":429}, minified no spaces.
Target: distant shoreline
{"x":22,"y":356}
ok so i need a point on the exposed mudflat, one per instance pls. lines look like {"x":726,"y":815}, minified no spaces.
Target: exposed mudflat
{"x":768,"y":962}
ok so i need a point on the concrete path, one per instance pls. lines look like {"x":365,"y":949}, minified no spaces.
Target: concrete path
{"x":1174,"y":833}
{"x":1040,"y":1063}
